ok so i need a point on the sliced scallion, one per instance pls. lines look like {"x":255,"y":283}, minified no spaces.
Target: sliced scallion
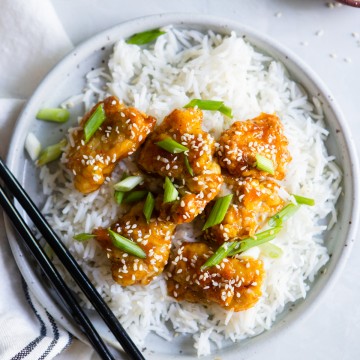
{"x":235,"y":247}
{"x":148,"y":206}
{"x":218,"y":211}
{"x":301,"y":200}
{"x":126,"y":245}
{"x":94,"y":122}
{"x":170,"y":193}
{"x":83,"y":237}
{"x":171,"y":146}
{"x":256,"y":240}
{"x":265,"y":164}
{"x":53,"y":114}
{"x":51,"y":153}
{"x":226,"y":110}
{"x":271,"y":250}
{"x":119,"y":196}
{"x":188,"y":166}
{"x":221,"y":253}
{"x":284,"y":214}
{"x":211,"y":105}
{"x":32,"y":146}
{"x":134,"y":196}
{"x":128,"y":183}
{"x":145,"y":37}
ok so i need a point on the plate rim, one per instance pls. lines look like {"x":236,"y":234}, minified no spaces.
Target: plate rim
{"x":211,"y":21}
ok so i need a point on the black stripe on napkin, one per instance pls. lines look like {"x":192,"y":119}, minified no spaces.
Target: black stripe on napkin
{"x":31,"y":346}
{"x":44,"y":329}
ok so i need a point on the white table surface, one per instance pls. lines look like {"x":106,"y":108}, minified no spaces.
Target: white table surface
{"x":328,"y":39}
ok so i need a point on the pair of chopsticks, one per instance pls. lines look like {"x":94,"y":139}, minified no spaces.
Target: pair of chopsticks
{"x":70,"y":264}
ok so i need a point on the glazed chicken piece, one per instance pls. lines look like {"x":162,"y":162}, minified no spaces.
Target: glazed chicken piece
{"x":154,"y":238}
{"x":234,"y":284}
{"x":120,"y":135}
{"x":184,"y":126}
{"x":239,"y":145}
{"x":254,"y":202}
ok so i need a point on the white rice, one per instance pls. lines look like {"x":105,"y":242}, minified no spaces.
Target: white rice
{"x":179,"y":66}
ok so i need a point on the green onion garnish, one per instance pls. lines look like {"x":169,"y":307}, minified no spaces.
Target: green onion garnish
{"x":94,"y":122}
{"x":145,"y":37}
{"x":271,"y":250}
{"x":83,"y":237}
{"x":218,"y":211}
{"x":53,"y":114}
{"x":126,"y":245}
{"x":227,"y":111}
{"x":188,"y":166}
{"x":264,"y":164}
{"x":128,"y":183}
{"x":304,"y":200}
{"x":221,"y":253}
{"x":119,"y":196}
{"x":235,"y":247}
{"x":171,"y":146}
{"x":256,"y":240}
{"x":51,"y":153}
{"x":170,"y":193}
{"x":284,"y":214}
{"x":32,"y":146}
{"x":212,"y":105}
{"x":148,"y":206}
{"x":134,"y":196}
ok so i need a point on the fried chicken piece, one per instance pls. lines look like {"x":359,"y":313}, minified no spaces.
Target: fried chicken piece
{"x":239,"y":145}
{"x":254,"y":202}
{"x":234,"y":284}
{"x":120,"y":135}
{"x":154,"y":238}
{"x":184,"y":126}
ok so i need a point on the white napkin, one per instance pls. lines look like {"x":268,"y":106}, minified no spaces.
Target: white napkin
{"x":32,"y":40}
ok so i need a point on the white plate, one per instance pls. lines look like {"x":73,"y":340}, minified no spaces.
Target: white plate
{"x":67,"y":79}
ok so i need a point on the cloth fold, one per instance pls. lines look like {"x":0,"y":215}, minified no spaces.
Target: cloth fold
{"x":32,"y":40}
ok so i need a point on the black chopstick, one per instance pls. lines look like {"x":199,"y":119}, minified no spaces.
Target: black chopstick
{"x":69,"y":262}
{"x":50,"y":271}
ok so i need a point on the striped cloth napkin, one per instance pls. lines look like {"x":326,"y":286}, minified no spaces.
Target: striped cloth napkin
{"x":32,"y":40}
